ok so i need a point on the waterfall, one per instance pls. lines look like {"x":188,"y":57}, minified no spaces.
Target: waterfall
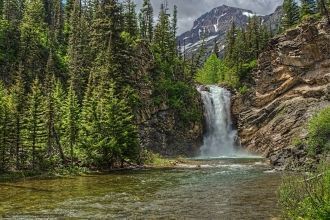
{"x":220,"y":138}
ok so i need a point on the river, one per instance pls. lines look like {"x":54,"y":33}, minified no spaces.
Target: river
{"x":215,"y":189}
{"x":241,"y":188}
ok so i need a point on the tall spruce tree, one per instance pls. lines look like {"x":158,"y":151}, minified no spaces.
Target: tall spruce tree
{"x":58,"y":130}
{"x":89,"y":136}
{"x":130,"y":18}
{"x":35,"y":131}
{"x":6,"y":130}
{"x":33,"y":42}
{"x":308,"y":7}
{"x":146,"y":21}
{"x":323,"y":7}
{"x":71,"y":113}
{"x":118,"y":133}
{"x":291,"y":13}
{"x":78,"y":44}
{"x":9,"y":39}
{"x":19,"y":107}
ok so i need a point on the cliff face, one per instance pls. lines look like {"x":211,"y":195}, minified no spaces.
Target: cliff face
{"x":160,"y":128}
{"x":292,"y":82}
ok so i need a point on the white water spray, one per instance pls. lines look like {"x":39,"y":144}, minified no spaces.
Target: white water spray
{"x":220,"y":138}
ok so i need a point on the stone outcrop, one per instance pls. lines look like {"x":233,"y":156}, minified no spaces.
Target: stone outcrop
{"x":291,"y":83}
{"x":160,"y":128}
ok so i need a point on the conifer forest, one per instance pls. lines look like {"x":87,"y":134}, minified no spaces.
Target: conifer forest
{"x":67,"y":92}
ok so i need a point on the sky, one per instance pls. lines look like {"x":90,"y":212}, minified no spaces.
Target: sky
{"x":190,"y":10}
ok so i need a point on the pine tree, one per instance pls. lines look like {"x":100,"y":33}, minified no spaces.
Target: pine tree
{"x":146,"y":21}
{"x":78,"y":44}
{"x":71,"y":111}
{"x":33,"y":43}
{"x":230,"y":42}
{"x":5,"y":129}
{"x":163,"y":43}
{"x":323,"y":7}
{"x":308,"y":7}
{"x":9,"y":39}
{"x":58,"y":99}
{"x":212,"y":72}
{"x":56,"y":23}
{"x":291,"y":13}
{"x":36,"y":128}
{"x":89,"y":136}
{"x":119,"y":136}
{"x":175,"y":21}
{"x":130,"y":18}
{"x":19,"y":105}
{"x":50,"y":114}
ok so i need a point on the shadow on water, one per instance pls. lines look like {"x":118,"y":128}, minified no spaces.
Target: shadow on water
{"x":2,"y":185}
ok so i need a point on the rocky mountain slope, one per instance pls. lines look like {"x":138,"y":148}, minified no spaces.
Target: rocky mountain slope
{"x":213,"y":26}
{"x":291,"y":84}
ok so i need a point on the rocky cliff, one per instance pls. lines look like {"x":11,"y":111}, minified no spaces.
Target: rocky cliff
{"x":161,"y":129}
{"x":291,"y":83}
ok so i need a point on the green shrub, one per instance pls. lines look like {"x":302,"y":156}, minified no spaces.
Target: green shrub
{"x":306,"y":197}
{"x":319,"y":132}
{"x":246,"y":69}
{"x":181,"y":97}
{"x":243,"y":89}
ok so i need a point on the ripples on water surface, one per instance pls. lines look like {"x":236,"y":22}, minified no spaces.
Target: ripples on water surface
{"x":215,"y":189}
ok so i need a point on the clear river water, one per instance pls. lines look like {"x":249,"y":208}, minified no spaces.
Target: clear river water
{"x":208,"y":189}
{"x":201,"y":189}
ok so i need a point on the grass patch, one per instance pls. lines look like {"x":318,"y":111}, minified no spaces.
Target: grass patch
{"x":306,"y":196}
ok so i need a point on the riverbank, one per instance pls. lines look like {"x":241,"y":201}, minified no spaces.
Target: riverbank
{"x":157,"y":162}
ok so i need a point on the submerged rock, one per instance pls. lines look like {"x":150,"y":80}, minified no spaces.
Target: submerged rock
{"x":291,"y":83}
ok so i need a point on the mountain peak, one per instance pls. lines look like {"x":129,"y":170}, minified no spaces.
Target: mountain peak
{"x":213,"y":25}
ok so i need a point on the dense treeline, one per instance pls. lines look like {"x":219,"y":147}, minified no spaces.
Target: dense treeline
{"x":243,"y":46}
{"x":66,"y":94}
{"x":294,"y":14}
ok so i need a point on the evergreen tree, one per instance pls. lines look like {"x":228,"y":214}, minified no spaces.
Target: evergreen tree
{"x":9,"y":39}
{"x":230,"y":42}
{"x":70,"y":122}
{"x":78,"y":44}
{"x":5,"y":129}
{"x":56,"y":23}
{"x":175,"y":21}
{"x":19,"y":102}
{"x":213,"y":71}
{"x":291,"y":13}
{"x":58,"y":97}
{"x":33,"y":42}
{"x":308,"y":7}
{"x":89,"y":136}
{"x":163,"y":44}
{"x":146,"y":21}
{"x":130,"y":18}
{"x":118,"y":133}
{"x":110,"y":51}
{"x":36,"y":128}
{"x":323,"y":7}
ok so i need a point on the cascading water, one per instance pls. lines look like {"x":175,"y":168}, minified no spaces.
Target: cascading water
{"x":220,"y":138}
